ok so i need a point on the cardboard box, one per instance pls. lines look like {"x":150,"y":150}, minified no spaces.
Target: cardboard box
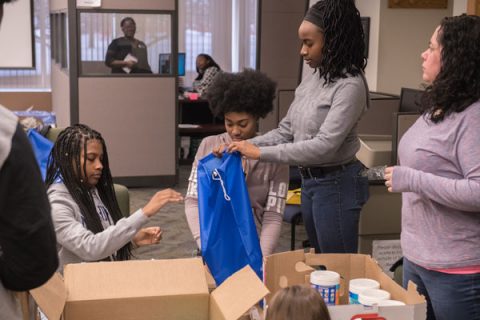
{"x":294,"y":267}
{"x":151,"y":289}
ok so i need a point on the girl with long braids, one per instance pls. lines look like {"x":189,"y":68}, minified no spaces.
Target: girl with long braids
{"x":318,"y":134}
{"x":86,"y":216}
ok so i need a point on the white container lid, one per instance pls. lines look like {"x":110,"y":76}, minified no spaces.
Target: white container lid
{"x":386,"y":303}
{"x":324,"y":278}
{"x":370,"y":297}
{"x":361,"y":284}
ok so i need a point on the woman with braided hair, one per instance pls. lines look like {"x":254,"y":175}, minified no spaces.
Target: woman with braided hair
{"x":318,"y":134}
{"x":86,"y":216}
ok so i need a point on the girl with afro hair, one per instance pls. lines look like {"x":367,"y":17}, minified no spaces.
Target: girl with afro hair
{"x":242,"y":99}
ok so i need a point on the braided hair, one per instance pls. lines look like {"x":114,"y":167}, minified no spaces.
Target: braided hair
{"x":210,"y":63}
{"x":344,"y":46}
{"x":64,"y":163}
{"x":457,"y":85}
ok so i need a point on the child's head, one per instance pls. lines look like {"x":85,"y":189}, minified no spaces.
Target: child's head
{"x":79,"y":159}
{"x":241,"y":99}
{"x":297,"y":302}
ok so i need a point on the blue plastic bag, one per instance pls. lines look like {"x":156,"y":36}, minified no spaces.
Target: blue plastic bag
{"x":227,"y":230}
{"x":41,"y":148}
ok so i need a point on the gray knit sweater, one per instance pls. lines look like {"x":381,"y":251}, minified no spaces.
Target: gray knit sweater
{"x":439,"y":175}
{"x":320,"y":126}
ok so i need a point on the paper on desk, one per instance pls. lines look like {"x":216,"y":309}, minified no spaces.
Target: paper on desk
{"x":188,"y":126}
{"x":129,"y":57}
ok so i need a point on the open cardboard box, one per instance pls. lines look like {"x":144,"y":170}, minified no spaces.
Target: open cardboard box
{"x":294,"y":267}
{"x":149,"y":289}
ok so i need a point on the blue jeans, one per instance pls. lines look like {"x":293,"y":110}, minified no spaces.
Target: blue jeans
{"x":449,"y":296}
{"x":331,"y":205}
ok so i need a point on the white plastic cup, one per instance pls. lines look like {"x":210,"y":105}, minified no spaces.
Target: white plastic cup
{"x":386,"y":303}
{"x":372,"y":297}
{"x":327,"y":283}
{"x":356,"y":286}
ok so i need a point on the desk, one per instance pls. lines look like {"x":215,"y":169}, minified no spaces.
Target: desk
{"x":196,"y":112}
{"x":201,"y":123}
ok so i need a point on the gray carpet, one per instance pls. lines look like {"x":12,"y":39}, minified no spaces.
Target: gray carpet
{"x":177,"y":241}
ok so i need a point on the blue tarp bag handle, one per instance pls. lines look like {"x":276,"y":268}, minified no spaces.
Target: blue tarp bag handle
{"x":227,"y":230}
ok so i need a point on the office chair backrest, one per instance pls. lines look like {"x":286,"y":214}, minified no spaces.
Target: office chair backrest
{"x":410,"y":100}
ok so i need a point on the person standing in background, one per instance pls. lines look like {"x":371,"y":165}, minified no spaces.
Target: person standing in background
{"x":318,"y":134}
{"x":439,"y":176}
{"x":207,"y":69}
{"x":242,"y":99}
{"x":28,"y":253}
{"x":127,"y":54}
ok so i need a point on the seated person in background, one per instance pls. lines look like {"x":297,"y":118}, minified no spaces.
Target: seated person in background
{"x":127,"y":54}
{"x":87,"y":220}
{"x":207,"y":69}
{"x":242,"y":99}
{"x":297,"y":302}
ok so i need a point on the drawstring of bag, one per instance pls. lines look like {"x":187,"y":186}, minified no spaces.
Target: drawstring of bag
{"x":218,"y":177}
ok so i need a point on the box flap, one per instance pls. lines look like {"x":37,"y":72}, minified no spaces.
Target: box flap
{"x":51,"y":297}
{"x":210,"y":280}
{"x":134,"y":279}
{"x":285,"y":269}
{"x":413,"y":297}
{"x":236,"y":295}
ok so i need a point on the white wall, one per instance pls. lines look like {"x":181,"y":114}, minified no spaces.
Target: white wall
{"x":369,"y":8}
{"x":459,"y":7}
{"x":402,"y":35}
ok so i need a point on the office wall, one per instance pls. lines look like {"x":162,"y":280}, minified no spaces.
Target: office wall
{"x":403,"y":34}
{"x":279,"y":47}
{"x":24,"y":100}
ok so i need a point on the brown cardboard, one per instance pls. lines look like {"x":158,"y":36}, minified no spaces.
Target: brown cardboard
{"x":280,"y":269}
{"x":225,"y":301}
{"x":52,"y":297}
{"x":151,"y":289}
{"x":285,"y":269}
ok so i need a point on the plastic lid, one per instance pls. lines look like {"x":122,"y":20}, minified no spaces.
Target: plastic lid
{"x":370,"y":297}
{"x":385,"y":303}
{"x":361,"y":284}
{"x":324,"y":278}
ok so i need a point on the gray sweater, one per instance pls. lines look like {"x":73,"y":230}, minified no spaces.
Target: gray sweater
{"x":439,"y":175}
{"x":75,"y":243}
{"x":320,"y":126}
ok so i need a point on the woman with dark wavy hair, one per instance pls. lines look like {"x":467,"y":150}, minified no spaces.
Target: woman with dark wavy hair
{"x":242,"y":99}
{"x":439,"y":175}
{"x":318,"y":134}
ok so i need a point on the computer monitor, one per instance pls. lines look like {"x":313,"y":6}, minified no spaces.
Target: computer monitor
{"x":410,"y":100}
{"x":164,"y":63}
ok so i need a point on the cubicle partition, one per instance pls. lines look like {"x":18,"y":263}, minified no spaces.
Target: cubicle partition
{"x":136,"y":113}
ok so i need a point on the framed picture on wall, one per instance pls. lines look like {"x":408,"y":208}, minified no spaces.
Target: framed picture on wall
{"x":16,"y":36}
{"x":421,"y":4}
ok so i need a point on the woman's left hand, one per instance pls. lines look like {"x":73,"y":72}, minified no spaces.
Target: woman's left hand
{"x":247,"y":149}
{"x":389,"y":178}
{"x":146,"y":236}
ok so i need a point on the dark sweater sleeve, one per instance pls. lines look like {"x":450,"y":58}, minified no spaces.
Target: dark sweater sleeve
{"x":28,"y":255}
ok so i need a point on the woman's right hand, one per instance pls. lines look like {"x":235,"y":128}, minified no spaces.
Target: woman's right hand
{"x":160,"y":199}
{"x":218,"y":150}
